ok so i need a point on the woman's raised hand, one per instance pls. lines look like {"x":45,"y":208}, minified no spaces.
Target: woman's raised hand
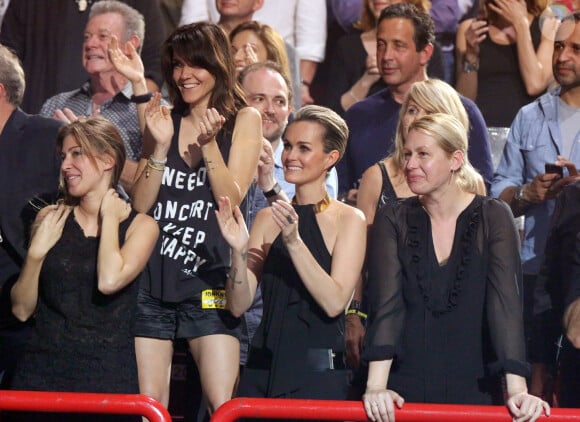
{"x":476,"y":32}
{"x":210,"y":125}
{"x":47,"y":229}
{"x":232,"y":224}
{"x":285,"y":216}
{"x":114,"y":206}
{"x":129,"y":65}
{"x":158,"y":121}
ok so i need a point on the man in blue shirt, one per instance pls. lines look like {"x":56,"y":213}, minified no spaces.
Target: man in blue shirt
{"x":546,"y":131}
{"x":405,"y":39}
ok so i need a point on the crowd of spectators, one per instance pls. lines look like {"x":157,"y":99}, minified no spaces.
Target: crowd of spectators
{"x":207,"y":175}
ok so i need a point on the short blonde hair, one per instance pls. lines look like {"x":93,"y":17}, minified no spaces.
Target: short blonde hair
{"x":451,"y":136}
{"x":434,"y":96}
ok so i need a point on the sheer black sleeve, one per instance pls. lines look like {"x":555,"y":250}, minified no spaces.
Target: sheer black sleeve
{"x":504,"y":288}
{"x":386,"y":305}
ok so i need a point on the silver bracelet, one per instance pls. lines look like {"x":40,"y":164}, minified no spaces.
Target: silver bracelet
{"x":158,"y":162}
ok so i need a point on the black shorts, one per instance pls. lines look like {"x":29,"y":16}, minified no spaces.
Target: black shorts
{"x":169,"y":321}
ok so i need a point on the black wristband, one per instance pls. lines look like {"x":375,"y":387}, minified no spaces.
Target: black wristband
{"x":274,"y":191}
{"x":140,"y":99}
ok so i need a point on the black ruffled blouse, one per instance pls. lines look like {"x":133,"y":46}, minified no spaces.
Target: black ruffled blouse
{"x":447,"y":326}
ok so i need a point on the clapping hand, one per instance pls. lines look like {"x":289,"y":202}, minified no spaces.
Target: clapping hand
{"x":232,"y":224}
{"x":474,"y":36}
{"x":286,"y":218}
{"x":128,"y":64}
{"x":47,"y":229}
{"x":210,"y":125}
{"x":158,"y":121}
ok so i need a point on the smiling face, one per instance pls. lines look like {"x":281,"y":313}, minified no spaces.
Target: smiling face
{"x":303,"y":158}
{"x":97,"y":38}
{"x":427,"y":166}
{"x":80,"y":173}
{"x":267,"y":91}
{"x":193,"y":82}
{"x":239,"y":43}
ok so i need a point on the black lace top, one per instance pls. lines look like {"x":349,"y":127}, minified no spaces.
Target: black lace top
{"x":440,"y":321}
{"x":82,"y":339}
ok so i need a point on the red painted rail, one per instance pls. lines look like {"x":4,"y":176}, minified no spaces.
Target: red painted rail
{"x":332,"y":410}
{"x":120,"y":404}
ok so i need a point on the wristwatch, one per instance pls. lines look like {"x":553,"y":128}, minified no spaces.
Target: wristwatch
{"x":519,"y":195}
{"x":274,"y":191}
{"x":469,"y":67}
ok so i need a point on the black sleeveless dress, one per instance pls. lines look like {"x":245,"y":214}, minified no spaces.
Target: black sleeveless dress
{"x":82,"y":340}
{"x":294,"y":329}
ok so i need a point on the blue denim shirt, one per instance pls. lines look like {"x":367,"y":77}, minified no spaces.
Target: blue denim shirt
{"x":534,"y":140}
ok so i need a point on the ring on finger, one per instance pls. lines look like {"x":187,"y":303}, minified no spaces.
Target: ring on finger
{"x":290,"y":219}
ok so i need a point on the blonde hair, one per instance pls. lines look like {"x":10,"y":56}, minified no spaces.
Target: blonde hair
{"x":434,"y":96}
{"x":451,"y":136}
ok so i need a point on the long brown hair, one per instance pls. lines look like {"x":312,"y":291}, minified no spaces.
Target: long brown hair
{"x":205,"y":45}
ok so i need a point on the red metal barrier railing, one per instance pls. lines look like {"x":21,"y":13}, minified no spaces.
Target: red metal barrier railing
{"x":332,"y":410}
{"x":120,"y":404}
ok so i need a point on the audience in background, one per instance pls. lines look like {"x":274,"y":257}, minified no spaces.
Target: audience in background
{"x":29,"y":170}
{"x":44,"y":36}
{"x":253,"y":42}
{"x":108,"y":92}
{"x":503,"y":57}
{"x":544,"y":132}
{"x":354,"y":69}
{"x":302,"y":24}
{"x":404,"y":46}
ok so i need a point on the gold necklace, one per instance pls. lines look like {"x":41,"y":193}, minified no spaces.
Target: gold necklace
{"x":320,"y":206}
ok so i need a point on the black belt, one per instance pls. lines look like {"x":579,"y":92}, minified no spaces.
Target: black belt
{"x":324,"y":359}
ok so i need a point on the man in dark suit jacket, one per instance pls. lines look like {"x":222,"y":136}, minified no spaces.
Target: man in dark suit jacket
{"x":29,"y":170}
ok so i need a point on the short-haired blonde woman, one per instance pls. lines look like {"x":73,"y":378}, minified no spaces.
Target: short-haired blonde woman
{"x":384,"y":183}
{"x":307,"y":257}
{"x":444,"y":277}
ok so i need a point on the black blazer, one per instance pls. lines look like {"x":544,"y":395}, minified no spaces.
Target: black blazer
{"x":29,"y":167}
